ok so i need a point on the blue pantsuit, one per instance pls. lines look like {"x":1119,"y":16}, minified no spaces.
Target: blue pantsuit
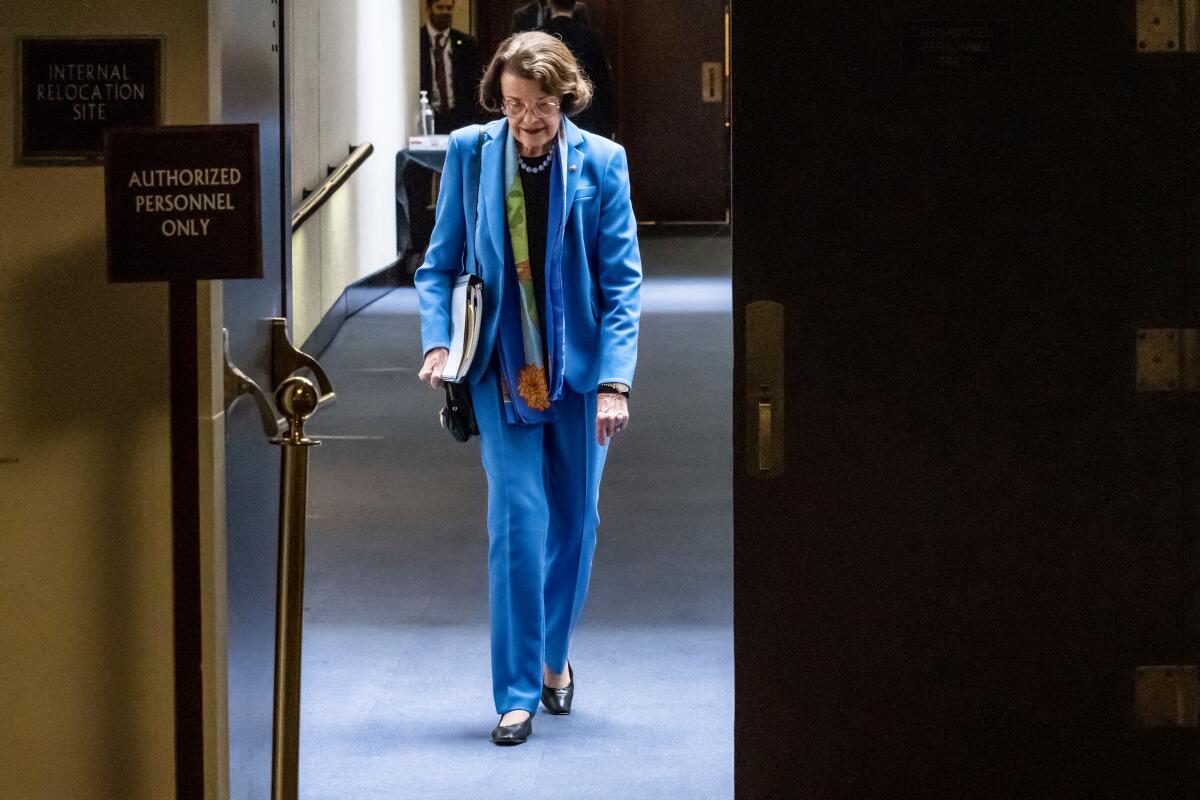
{"x":543,"y":479}
{"x":543,"y":483}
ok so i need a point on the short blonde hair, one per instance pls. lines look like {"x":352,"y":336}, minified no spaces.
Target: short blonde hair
{"x":540,"y":57}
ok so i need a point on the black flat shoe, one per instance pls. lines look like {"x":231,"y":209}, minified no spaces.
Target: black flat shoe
{"x":558,"y":701}
{"x":513,"y":734}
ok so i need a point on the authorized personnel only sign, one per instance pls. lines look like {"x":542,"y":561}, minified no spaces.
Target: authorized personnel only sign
{"x":957,"y":46}
{"x":183,"y":203}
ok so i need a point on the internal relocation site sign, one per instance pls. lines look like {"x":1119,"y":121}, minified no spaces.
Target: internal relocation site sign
{"x":183,"y":203}
{"x":72,"y":90}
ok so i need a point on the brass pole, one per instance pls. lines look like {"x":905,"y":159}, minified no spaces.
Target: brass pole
{"x":297,"y":398}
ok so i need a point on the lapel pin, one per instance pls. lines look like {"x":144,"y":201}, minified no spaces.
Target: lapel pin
{"x":572,"y":168}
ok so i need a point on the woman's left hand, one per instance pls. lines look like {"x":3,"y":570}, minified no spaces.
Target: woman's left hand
{"x":612,"y":415}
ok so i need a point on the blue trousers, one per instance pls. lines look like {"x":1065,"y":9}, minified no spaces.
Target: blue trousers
{"x":543,"y":488}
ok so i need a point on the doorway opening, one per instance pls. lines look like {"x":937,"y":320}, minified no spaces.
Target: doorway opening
{"x":396,"y":694}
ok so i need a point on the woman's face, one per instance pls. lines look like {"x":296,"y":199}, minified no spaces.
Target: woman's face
{"x":533,"y":134}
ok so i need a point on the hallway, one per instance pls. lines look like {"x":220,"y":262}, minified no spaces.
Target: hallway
{"x":397,"y":699}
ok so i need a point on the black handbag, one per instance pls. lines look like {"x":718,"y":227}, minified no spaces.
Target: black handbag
{"x":458,"y":415}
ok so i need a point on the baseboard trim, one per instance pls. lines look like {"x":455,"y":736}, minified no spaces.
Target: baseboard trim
{"x":355,"y":298}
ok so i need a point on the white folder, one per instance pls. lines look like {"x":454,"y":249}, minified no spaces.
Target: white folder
{"x":466,"y":316}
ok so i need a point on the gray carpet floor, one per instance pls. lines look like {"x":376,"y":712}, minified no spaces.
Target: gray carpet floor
{"x":396,"y":677}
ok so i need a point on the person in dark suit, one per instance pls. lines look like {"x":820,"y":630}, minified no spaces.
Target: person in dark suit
{"x":450,"y":69}
{"x":535,"y":14}
{"x":599,"y":117}
{"x":450,"y":73}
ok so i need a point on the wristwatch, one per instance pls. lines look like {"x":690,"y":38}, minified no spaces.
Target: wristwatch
{"x":614,"y":388}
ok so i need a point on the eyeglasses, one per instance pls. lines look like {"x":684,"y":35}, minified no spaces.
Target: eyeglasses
{"x":516,"y":109}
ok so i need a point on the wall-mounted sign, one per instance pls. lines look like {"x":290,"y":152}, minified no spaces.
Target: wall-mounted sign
{"x":958,"y":46}
{"x":72,"y":90}
{"x":183,"y":203}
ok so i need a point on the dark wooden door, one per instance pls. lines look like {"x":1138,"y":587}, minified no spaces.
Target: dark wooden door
{"x":982,"y":528}
{"x":678,"y":143}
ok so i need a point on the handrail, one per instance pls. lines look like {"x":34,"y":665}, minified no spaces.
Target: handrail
{"x":337,"y":176}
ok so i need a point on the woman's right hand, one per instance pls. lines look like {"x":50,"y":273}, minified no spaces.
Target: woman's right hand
{"x":431,"y":370}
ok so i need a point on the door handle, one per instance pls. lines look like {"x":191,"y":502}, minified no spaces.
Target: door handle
{"x":287,"y":360}
{"x":765,"y":428}
{"x":239,"y":384}
{"x":765,"y":435}
{"x":712,"y":82}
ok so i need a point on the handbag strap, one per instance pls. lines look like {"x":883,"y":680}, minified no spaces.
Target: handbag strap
{"x":473,"y":211}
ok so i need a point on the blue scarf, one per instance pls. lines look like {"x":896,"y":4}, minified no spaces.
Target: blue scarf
{"x":520,"y":330}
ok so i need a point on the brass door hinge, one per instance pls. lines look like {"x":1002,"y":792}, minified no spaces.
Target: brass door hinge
{"x":1167,"y":26}
{"x":1168,"y":360}
{"x":1167,"y":697}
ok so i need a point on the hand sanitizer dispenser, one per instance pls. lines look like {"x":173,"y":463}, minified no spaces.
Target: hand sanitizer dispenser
{"x":426,"y":111}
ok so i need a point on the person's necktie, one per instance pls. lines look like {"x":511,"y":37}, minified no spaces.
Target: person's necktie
{"x":439,"y":72}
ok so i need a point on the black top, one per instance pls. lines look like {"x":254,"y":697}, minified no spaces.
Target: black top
{"x":536,"y":187}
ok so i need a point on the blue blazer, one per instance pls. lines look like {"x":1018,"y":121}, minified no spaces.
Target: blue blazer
{"x":601,"y":264}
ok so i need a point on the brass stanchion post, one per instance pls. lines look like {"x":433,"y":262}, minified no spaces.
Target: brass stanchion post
{"x":297,"y":399}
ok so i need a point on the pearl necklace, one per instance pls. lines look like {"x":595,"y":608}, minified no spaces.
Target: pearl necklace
{"x":540,"y":167}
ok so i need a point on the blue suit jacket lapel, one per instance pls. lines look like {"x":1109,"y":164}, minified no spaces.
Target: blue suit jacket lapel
{"x":491,"y":187}
{"x":574,"y":166}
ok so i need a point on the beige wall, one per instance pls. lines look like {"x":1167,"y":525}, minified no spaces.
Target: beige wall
{"x":354,"y":80}
{"x":85,"y":531}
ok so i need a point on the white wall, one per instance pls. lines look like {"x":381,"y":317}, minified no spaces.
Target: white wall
{"x":86,"y":688}
{"x":354,"y":79}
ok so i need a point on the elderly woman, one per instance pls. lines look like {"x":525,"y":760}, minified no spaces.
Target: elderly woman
{"x":556,"y":244}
